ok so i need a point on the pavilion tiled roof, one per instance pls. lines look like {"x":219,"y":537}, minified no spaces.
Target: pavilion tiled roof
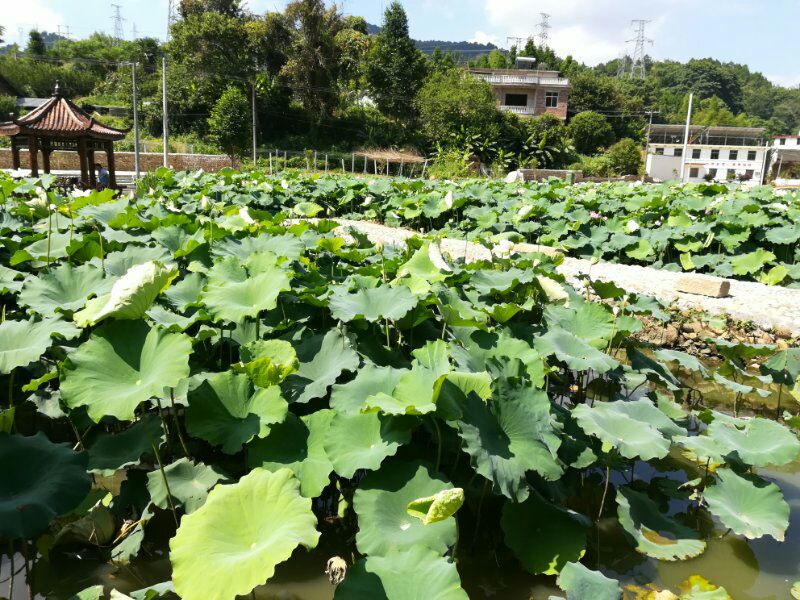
{"x":59,"y":117}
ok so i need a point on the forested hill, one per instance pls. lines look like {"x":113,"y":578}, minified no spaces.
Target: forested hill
{"x":462,"y":50}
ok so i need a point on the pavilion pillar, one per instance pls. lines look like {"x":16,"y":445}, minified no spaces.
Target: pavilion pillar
{"x":112,"y":174}
{"x":46,"y":152}
{"x":92,"y":172}
{"x":14,"y":153}
{"x":83,"y":162}
{"x":33,"y":146}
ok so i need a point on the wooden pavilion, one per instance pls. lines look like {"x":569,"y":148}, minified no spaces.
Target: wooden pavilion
{"x":59,"y":124}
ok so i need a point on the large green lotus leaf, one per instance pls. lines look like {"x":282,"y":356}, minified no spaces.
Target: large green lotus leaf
{"x":189,"y":484}
{"x":64,"y":288}
{"x":410,"y":574}
{"x":371,"y":380}
{"x":123,"y":364}
{"x":589,"y":321}
{"x":581,"y":583}
{"x":333,"y":355}
{"x":297,"y":444}
{"x":784,"y":366}
{"x":372,"y":304}
{"x":438,"y":507}
{"x":417,"y":389}
{"x":747,"y":264}
{"x":750,"y":507}
{"x":759,"y":443}
{"x":49,"y":248}
{"x":286,"y":245}
{"x":118,"y":264}
{"x":575,"y":352}
{"x":112,"y":451}
{"x":177,"y":240}
{"x":268,"y":362}
{"x":512,"y":434}
{"x":226,"y":411}
{"x":234,"y":292}
{"x":381,"y":503}
{"x":24,"y":342}
{"x":130,"y":296}
{"x":40,"y":481}
{"x":186,"y":292}
{"x":626,"y":427}
{"x":236,"y":539}
{"x":363,"y":440}
{"x":425,"y":268}
{"x":543,"y":536}
{"x":488,"y":281}
{"x":653,"y":533}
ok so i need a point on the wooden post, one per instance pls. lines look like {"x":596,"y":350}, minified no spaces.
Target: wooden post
{"x":46,"y":151}
{"x":14,"y":153}
{"x":315,"y":161}
{"x":270,"y":163}
{"x":285,"y":160}
{"x":33,"y":147}
{"x":353,"y":164}
{"x":82,"y":159}
{"x":365,"y":164}
{"x":375,"y":165}
{"x":112,"y":171}
{"x":424,"y":167}
{"x":344,"y":169}
{"x":92,"y":172}
{"x":326,"y":163}
{"x":401,"y":167}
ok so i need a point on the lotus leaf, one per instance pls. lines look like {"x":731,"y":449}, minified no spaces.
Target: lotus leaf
{"x":235,"y":540}
{"x":558,"y":535}
{"x":41,"y":481}
{"x":381,"y":503}
{"x":65,"y":288}
{"x":111,"y":452}
{"x":581,"y":583}
{"x":372,"y":304}
{"x":759,"y":442}
{"x":187,"y":484}
{"x":22,"y":343}
{"x":363,"y":440}
{"x":123,"y":364}
{"x":332,"y":354}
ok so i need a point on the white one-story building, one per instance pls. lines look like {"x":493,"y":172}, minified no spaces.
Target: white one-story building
{"x":785,"y":158}
{"x":713,"y":154}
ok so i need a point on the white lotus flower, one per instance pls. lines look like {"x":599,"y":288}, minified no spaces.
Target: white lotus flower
{"x":632,"y":226}
{"x":448,"y":199}
{"x":245,"y":215}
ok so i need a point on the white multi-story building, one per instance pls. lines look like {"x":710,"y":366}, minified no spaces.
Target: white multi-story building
{"x":713,"y":154}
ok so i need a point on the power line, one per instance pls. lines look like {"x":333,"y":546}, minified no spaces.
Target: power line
{"x":638,"y":67}
{"x":544,"y":31}
{"x":119,"y":33}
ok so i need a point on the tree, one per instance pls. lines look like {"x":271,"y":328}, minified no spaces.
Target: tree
{"x":230,"y":8}
{"x":2,"y":31}
{"x":456,"y":104}
{"x":625,"y":157}
{"x":497,"y":60}
{"x":441,"y":61}
{"x":590,"y":131}
{"x":36,"y":45}
{"x":395,"y":69}
{"x":229,"y":123}
{"x":313,"y":66}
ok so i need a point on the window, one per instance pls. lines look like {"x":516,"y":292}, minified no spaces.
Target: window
{"x":516,"y":99}
{"x":733,"y":155}
{"x":678,"y":152}
{"x":712,"y":174}
{"x":783,"y":141}
{"x":694,"y":172}
{"x":715,"y":155}
{"x":748,"y":175}
{"x":551,"y":99}
{"x":659,"y":151}
{"x":696,"y":153}
{"x":751,"y":155}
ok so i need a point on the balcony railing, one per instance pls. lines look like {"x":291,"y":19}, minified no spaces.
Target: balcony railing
{"x":523,"y":80}
{"x":520,"y":110}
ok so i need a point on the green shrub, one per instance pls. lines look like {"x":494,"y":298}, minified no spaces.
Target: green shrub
{"x":590,"y":131}
{"x":450,"y":164}
{"x":625,"y":157}
{"x":594,"y":166}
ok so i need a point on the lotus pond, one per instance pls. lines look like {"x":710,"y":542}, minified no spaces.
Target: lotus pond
{"x":728,"y":231}
{"x":201,"y":400}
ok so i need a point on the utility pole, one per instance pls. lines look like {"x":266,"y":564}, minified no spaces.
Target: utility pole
{"x":165,"y":124}
{"x":650,"y":112}
{"x":686,"y":138}
{"x":117,"y":18}
{"x":136,"y":160}
{"x":544,"y":31}
{"x":638,"y":67}
{"x":253,"y":98}
{"x":516,"y":41}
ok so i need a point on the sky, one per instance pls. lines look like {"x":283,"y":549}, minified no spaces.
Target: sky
{"x":760,"y":33}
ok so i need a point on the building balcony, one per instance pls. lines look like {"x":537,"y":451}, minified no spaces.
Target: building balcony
{"x":523,"y":80}
{"x":519,"y":110}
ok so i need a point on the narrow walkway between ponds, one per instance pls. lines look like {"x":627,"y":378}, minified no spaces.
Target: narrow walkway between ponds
{"x":769,"y":307}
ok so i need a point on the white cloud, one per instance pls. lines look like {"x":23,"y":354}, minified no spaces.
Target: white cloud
{"x":785,"y":80}
{"x":481,"y":37}
{"x":28,"y":15}
{"x":592,"y":31}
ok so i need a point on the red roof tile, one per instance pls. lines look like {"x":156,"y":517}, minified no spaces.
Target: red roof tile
{"x":60,"y":118}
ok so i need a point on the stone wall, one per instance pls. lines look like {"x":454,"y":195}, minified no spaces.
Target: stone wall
{"x":149,"y":161}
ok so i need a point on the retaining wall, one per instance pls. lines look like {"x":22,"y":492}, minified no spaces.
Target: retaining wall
{"x":149,"y":161}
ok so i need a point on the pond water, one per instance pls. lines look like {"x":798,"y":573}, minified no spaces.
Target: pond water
{"x":762,"y":569}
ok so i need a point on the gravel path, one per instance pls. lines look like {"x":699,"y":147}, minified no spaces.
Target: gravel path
{"x":769,"y":307}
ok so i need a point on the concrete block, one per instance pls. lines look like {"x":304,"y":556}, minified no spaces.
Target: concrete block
{"x":703,"y":285}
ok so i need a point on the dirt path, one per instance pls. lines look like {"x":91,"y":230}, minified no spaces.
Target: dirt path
{"x":769,"y":307}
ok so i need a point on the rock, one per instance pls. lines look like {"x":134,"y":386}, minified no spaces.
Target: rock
{"x":783,"y":333}
{"x":671,"y":334}
{"x":703,"y":285}
{"x":336,"y":569}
